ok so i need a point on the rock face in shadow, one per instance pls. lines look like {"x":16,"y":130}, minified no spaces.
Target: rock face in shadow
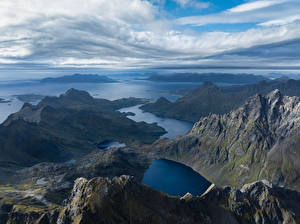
{"x":260,"y":140}
{"x":71,"y":125}
{"x":123,"y":200}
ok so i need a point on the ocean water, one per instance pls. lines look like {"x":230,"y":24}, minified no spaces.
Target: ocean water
{"x":174,"y":178}
{"x":173,"y":127}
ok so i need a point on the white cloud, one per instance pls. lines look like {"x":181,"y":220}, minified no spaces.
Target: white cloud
{"x":281,"y":21}
{"x":123,"y":34}
{"x":244,"y":13}
{"x":255,"y":5}
{"x":192,"y":3}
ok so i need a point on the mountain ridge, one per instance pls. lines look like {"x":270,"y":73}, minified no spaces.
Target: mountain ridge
{"x":209,"y":98}
{"x":122,"y":200}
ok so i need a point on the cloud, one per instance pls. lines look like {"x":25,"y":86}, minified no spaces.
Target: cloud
{"x":255,"y":5}
{"x":253,"y":12}
{"x":133,"y":34}
{"x":281,"y":21}
{"x":192,"y":3}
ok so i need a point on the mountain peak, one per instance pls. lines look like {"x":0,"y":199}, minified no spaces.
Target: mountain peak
{"x":274,"y":95}
{"x":77,"y":94}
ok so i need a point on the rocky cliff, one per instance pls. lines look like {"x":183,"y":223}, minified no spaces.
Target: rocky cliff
{"x":123,"y":200}
{"x":259,"y":140}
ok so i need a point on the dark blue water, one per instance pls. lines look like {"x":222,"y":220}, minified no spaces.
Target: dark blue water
{"x":174,"y":178}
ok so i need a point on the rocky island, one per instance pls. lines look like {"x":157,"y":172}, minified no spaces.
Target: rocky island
{"x":4,"y":101}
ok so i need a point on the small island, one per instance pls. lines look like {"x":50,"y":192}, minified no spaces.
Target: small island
{"x":79,"y":78}
{"x":4,"y":101}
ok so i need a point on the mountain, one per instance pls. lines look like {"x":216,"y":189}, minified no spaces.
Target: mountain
{"x":210,"y":98}
{"x":208,"y":77}
{"x":122,"y":200}
{"x":259,"y":140}
{"x":68,"y":126}
{"x":79,"y":78}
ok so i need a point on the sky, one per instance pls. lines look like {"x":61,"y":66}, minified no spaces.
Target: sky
{"x":126,"y":35}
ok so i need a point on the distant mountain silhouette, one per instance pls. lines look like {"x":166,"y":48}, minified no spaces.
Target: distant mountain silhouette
{"x":209,"y":77}
{"x":79,"y":78}
{"x":210,"y":98}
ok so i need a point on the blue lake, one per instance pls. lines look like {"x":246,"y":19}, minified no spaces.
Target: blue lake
{"x":174,"y":178}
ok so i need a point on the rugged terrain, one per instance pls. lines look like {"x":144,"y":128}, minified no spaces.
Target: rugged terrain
{"x":259,"y":140}
{"x":68,"y":126}
{"x":123,"y":200}
{"x":45,"y":186}
{"x":210,"y":98}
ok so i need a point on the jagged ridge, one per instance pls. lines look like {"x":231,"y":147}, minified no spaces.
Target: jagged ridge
{"x":122,"y":200}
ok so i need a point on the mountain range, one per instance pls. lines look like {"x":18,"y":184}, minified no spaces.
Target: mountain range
{"x":55,"y":172}
{"x":68,"y":126}
{"x":122,"y":200}
{"x":79,"y":78}
{"x":209,"y":98}
{"x":259,"y":140}
{"x":208,"y":77}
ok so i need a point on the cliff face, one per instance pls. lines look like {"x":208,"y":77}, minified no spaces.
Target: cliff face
{"x":123,"y":200}
{"x":259,"y":140}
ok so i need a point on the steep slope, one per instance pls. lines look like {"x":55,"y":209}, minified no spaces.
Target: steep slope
{"x":210,"y":98}
{"x":259,"y":140}
{"x":122,"y":200}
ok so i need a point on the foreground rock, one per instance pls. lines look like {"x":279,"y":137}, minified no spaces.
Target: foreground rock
{"x":260,"y":140}
{"x":41,"y":189}
{"x":123,"y":200}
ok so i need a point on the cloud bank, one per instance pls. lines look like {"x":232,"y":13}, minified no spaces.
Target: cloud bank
{"x":136,"y":34}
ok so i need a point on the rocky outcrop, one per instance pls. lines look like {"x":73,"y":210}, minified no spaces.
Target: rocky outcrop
{"x":38,"y":192}
{"x":260,"y":140}
{"x":123,"y":200}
